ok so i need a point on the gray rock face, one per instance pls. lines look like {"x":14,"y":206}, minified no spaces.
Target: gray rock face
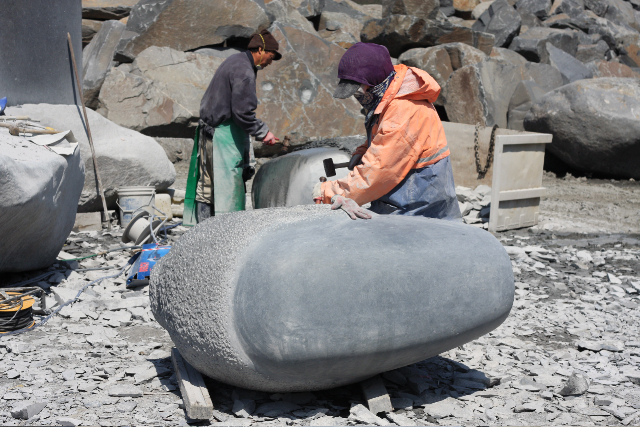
{"x":594,"y":124}
{"x":125,"y":157}
{"x":545,"y":76}
{"x":340,"y":28}
{"x":525,"y":95}
{"x":285,"y":11}
{"x":289,"y":180}
{"x":89,"y":30}
{"x":357,"y":330}
{"x":593,"y":52}
{"x":434,"y":60}
{"x":576,"y":385}
{"x":532,"y":44}
{"x":97,"y":60}
{"x":402,"y":32}
{"x":106,"y":9}
{"x":539,"y":8}
{"x":572,"y":8}
{"x":40,"y":192}
{"x":160,"y":93}
{"x":45,"y":25}
{"x":422,"y":9}
{"x":570,"y":68}
{"x":189,"y":24}
{"x":598,"y":7}
{"x":480,"y":93}
{"x":501,"y":20}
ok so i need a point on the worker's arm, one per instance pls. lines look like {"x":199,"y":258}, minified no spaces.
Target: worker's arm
{"x":243,"y":106}
{"x":386,"y":162}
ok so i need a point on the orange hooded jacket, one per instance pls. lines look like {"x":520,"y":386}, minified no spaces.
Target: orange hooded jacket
{"x":408,"y":135}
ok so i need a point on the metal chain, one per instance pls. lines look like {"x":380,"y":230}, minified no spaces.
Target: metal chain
{"x":492,"y":142}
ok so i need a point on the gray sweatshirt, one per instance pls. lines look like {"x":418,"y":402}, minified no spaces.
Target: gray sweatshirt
{"x":232,"y":95}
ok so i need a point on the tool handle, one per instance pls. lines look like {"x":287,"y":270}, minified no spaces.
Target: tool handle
{"x":341,"y":165}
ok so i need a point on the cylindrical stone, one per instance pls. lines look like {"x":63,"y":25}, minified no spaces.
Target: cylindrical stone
{"x":304,"y":298}
{"x":36,"y":63}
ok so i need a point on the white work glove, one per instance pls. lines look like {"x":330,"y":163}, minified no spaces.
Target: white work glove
{"x":270,"y":139}
{"x":317,"y":193}
{"x":350,"y":207}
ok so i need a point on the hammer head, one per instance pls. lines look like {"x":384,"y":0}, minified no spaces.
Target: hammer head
{"x":329,"y":167}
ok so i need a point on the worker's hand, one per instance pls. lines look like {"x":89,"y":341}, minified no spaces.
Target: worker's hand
{"x":350,"y":207}
{"x":270,"y":139}
{"x":360,"y":150}
{"x":356,"y":160}
{"x":317,"y":193}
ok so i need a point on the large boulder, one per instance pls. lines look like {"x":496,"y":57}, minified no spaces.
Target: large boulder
{"x":240,"y":318}
{"x":97,"y":60}
{"x":434,"y":60}
{"x":595,"y":125}
{"x":160,"y":93}
{"x":617,"y":36}
{"x":480,"y":93}
{"x":188,"y":24}
{"x":570,"y":68}
{"x":526,"y":94}
{"x":423,"y":9}
{"x":125,"y":157}
{"x":289,"y":180}
{"x":532,"y":44}
{"x":545,"y":76}
{"x":501,"y":20}
{"x":38,"y":201}
{"x":402,"y":32}
{"x":286,"y":12}
{"x":296,"y":93}
{"x":340,"y":28}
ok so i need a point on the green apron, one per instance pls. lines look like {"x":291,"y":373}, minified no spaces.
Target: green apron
{"x":229,"y":144}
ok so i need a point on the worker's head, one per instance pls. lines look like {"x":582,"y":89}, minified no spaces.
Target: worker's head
{"x":264,"y":49}
{"x":363,"y":65}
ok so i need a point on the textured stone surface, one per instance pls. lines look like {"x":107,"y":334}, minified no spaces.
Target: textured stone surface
{"x":527,"y":92}
{"x":160,"y":93}
{"x":189,"y":24}
{"x":401,"y":32}
{"x":570,"y":68}
{"x":501,"y":20}
{"x":434,"y":60}
{"x":462,"y":54}
{"x":106,"y":9}
{"x":539,"y":8}
{"x":289,"y":180}
{"x":89,"y":30}
{"x":33,"y":36}
{"x":125,"y":157}
{"x":570,"y":7}
{"x":594,"y":124}
{"x":532,"y":44}
{"x":480,"y":93}
{"x":611,"y":69}
{"x":97,"y":60}
{"x":40,"y":192}
{"x":545,"y":76}
{"x":219,"y":334}
{"x":593,"y":52}
{"x":340,"y":28}
{"x":286,"y":12}
{"x":422,"y":9}
{"x":296,"y":93}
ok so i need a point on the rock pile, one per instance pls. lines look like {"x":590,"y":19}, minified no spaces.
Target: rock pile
{"x":495,"y":60}
{"x":475,"y":205}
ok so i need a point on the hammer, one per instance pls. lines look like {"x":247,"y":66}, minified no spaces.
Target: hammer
{"x":330,"y":167}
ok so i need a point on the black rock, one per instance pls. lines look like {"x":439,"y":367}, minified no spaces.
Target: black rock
{"x":501,"y":20}
{"x":570,"y":68}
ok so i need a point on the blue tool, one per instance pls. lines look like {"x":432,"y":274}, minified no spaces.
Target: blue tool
{"x":3,"y":105}
{"x":144,"y":261}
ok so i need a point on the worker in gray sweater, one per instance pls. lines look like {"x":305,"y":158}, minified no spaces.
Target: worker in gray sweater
{"x":227,"y":120}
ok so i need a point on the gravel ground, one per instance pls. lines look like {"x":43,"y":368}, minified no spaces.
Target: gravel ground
{"x":569,"y":353}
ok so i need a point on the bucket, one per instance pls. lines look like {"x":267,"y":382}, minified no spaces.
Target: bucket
{"x":132,"y":199}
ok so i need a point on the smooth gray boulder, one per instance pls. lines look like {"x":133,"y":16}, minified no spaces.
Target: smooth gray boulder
{"x":97,"y":60}
{"x":38,"y":199}
{"x":595,"y":125}
{"x":289,"y":180}
{"x":125,"y":157}
{"x":570,"y":68}
{"x":532,"y":44}
{"x":501,"y":20}
{"x":318,"y":318}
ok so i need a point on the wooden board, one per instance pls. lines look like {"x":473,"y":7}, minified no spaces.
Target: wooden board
{"x":197,"y":402}
{"x":376,"y":395}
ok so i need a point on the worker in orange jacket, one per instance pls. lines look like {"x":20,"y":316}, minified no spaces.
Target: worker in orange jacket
{"x":403,"y":168}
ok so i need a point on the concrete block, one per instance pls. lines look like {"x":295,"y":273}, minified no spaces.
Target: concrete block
{"x":88,"y":221}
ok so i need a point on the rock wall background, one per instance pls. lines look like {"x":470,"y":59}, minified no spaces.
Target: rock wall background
{"x":498,"y":62}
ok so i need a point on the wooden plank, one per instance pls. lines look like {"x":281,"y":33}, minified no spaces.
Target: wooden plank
{"x":376,"y":395}
{"x":195,"y":395}
{"x":527,"y":193}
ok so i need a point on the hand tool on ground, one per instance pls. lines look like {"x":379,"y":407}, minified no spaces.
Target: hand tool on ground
{"x":16,"y":130}
{"x":5,"y":118}
{"x":86,"y":121}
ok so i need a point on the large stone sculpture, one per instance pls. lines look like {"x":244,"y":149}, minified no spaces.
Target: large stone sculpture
{"x":304,"y":298}
{"x":288,"y":180}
